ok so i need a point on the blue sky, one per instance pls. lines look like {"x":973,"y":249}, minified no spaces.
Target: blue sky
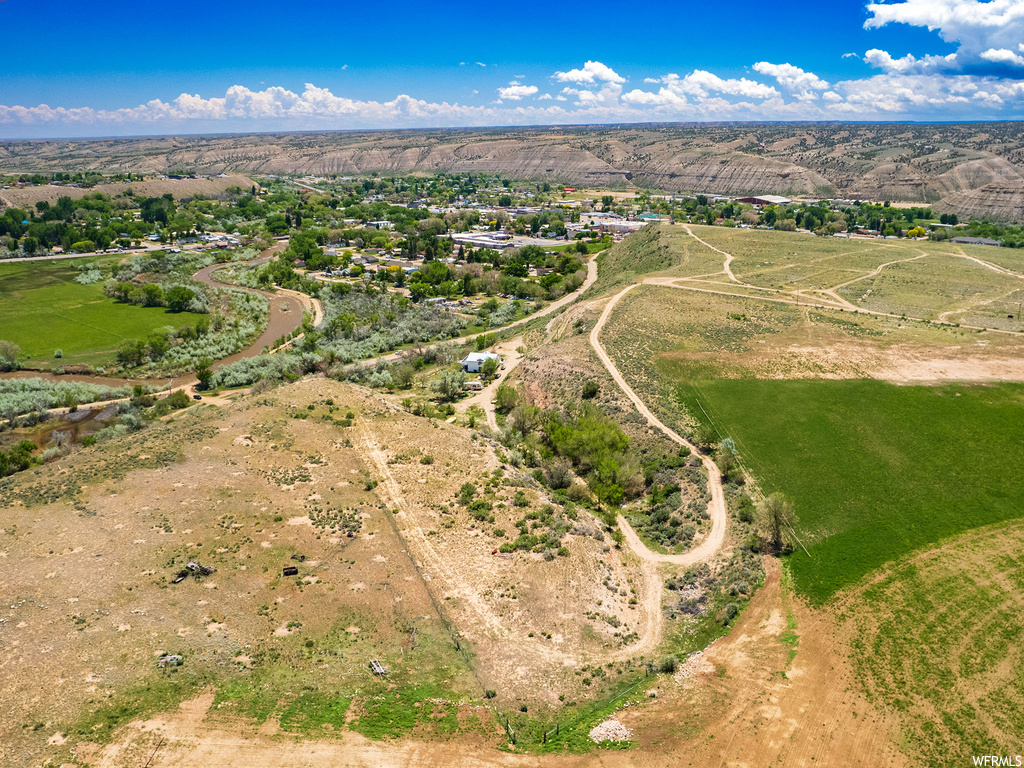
{"x":121,"y":68}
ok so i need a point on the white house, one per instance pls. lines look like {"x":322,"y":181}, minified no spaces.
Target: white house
{"x":473,"y":362}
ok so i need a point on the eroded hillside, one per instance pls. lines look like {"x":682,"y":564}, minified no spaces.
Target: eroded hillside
{"x":973,"y":170}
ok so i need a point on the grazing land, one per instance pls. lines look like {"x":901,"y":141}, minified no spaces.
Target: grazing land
{"x":867,"y":463}
{"x":45,"y":310}
{"x":893,"y":436}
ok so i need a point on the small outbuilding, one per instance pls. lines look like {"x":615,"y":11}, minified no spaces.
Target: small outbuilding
{"x":474,"y":361}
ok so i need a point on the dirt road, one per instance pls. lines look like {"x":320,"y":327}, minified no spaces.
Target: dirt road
{"x":511,"y":359}
{"x":727,"y":267}
{"x":717,"y":508}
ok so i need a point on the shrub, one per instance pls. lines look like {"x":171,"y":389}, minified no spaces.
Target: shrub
{"x":746,"y":509}
{"x":449,"y":384}
{"x":506,"y":398}
{"x":559,"y":474}
{"x":59,"y":353}
{"x":177,"y":399}
{"x":590,"y":390}
{"x":667,"y":666}
{"x":466,"y":493}
{"x":426,"y":460}
{"x":480,"y":510}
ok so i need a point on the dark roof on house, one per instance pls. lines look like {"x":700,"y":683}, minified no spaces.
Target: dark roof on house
{"x":974,"y":240}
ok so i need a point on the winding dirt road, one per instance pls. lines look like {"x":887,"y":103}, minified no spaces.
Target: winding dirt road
{"x":717,"y":508}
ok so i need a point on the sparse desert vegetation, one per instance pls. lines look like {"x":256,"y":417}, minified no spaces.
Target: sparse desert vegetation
{"x":338,"y":543}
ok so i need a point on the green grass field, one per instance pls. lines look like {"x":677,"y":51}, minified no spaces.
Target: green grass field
{"x":875,"y":470}
{"x":44,"y":309}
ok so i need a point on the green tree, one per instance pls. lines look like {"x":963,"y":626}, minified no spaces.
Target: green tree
{"x":516,"y":268}
{"x":158,"y":345}
{"x":132,"y":353}
{"x":153,"y":295}
{"x":276,"y":224}
{"x":489,"y":367}
{"x":506,"y":398}
{"x":204,"y":373}
{"x":448,"y":385}
{"x":178,"y":298}
{"x":775,"y":517}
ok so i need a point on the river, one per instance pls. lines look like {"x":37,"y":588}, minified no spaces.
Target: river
{"x":285,"y":316}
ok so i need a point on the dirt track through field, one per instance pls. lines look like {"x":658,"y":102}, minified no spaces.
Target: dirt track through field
{"x":444,"y":566}
{"x":830,"y":294}
{"x":717,"y":508}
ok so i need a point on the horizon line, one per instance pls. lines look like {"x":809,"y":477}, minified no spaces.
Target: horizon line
{"x":538,"y":126}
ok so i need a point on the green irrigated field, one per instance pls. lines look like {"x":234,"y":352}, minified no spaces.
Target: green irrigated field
{"x":43,"y":309}
{"x":875,"y":470}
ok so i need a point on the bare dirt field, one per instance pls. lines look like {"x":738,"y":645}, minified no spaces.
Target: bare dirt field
{"x":777,"y":691}
{"x":245,"y":485}
{"x":99,"y":538}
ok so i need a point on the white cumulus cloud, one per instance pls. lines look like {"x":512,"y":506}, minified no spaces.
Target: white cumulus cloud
{"x":794,"y":80}
{"x":909,"y":63}
{"x":1004,"y":56}
{"x":977,"y":26}
{"x":591,"y":72}
{"x":515,"y":91}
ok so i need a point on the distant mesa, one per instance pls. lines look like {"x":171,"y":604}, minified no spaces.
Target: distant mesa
{"x":975,"y":172}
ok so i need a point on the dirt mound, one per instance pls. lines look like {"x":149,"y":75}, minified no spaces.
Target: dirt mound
{"x":610,"y":730}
